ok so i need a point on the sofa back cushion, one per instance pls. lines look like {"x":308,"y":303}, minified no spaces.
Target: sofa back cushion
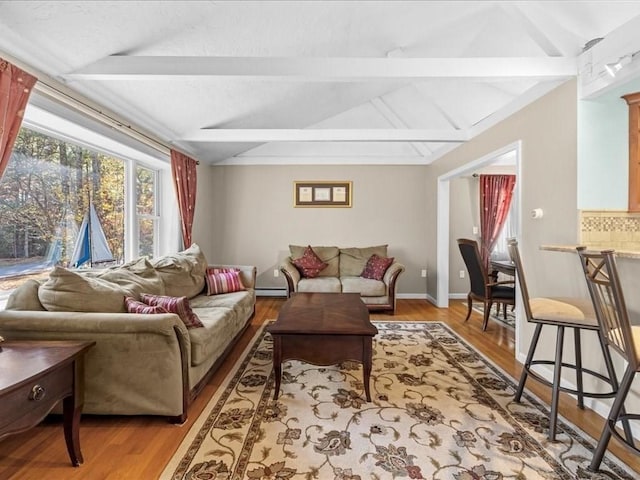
{"x":329,"y":255}
{"x":25,"y":297}
{"x":67,"y":291}
{"x":353,"y":260}
{"x":182,"y":273}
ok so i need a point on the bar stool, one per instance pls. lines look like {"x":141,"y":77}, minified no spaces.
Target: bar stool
{"x":562,"y":312}
{"x":601,"y":273}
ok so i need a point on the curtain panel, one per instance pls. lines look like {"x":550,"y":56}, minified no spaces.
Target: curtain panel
{"x":496,"y":192}
{"x":183,"y":169}
{"x":15,"y":88}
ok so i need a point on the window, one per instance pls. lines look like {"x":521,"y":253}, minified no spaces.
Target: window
{"x":147,"y":210}
{"x":47,"y":194}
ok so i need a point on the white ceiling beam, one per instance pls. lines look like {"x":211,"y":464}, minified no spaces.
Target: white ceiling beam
{"x":123,"y":67}
{"x":324,"y":135}
{"x":392,"y":117}
{"x":526,"y":24}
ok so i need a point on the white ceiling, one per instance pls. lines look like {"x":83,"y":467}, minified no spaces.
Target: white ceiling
{"x":419,"y":77}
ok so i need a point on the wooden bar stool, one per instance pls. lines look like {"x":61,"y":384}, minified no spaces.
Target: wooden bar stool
{"x":601,"y":273}
{"x":560,"y":312}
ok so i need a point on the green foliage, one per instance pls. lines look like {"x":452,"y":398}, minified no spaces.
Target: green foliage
{"x":49,"y":181}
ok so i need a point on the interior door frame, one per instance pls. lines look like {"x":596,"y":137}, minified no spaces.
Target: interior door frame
{"x":443,"y":212}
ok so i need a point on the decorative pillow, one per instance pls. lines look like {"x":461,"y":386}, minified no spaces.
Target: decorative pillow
{"x":223,"y":280}
{"x":178,"y":305}
{"x":376,"y":266}
{"x":134,"y":306}
{"x":309,"y":264}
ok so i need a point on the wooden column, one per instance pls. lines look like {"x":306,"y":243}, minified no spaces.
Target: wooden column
{"x":633,"y":100}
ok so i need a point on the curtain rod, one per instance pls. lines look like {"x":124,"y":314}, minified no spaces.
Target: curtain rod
{"x":45,"y":88}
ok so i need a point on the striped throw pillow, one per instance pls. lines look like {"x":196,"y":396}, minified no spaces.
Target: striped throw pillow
{"x":223,"y":280}
{"x":178,"y":305}
{"x":134,"y":306}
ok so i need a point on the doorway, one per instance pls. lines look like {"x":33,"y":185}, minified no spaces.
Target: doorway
{"x":513,"y":153}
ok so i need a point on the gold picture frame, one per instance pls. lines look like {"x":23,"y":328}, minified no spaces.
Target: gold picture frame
{"x":322,"y":193}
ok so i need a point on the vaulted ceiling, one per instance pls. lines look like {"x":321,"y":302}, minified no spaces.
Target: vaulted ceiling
{"x":389,"y":82}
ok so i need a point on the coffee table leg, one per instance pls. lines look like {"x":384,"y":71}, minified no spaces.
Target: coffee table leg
{"x":277,"y":363}
{"x":71,"y":421}
{"x":366,"y":366}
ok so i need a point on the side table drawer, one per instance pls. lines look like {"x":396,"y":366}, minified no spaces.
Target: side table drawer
{"x":30,"y":403}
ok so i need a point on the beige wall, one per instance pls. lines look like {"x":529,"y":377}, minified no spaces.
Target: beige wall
{"x":547,"y":130}
{"x":245,"y":214}
{"x":463,"y":206}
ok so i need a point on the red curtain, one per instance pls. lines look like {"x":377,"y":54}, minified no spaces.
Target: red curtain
{"x":495,"y":199}
{"x":183,"y":169}
{"x":15,"y":87}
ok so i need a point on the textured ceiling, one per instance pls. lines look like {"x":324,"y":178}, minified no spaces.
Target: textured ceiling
{"x":281,"y":72}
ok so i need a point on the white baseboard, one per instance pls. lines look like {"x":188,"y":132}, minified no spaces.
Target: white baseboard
{"x":411,"y":296}
{"x":457,"y":296}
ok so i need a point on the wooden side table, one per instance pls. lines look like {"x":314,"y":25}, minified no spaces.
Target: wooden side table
{"x":34,"y":377}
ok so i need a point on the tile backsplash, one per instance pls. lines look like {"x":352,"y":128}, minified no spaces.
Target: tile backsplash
{"x":619,"y":230}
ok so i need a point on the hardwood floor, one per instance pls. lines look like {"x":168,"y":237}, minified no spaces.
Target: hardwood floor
{"x":139,"y":447}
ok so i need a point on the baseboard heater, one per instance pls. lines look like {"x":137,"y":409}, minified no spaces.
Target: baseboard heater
{"x":271,"y":292}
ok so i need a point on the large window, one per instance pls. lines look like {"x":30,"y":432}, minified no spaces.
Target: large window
{"x":62,"y":203}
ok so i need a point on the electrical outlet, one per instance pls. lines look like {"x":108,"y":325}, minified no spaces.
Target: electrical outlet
{"x":423,"y":273}
{"x":461,"y":273}
{"x":276,"y":273}
{"x":475,"y":230}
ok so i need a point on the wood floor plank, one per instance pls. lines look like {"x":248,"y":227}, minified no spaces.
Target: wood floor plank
{"x":123,"y":448}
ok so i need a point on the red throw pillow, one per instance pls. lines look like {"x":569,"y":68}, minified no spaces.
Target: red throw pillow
{"x":178,"y":305}
{"x":134,"y":306}
{"x":223,"y":280}
{"x":309,"y":264}
{"x":376,"y":266}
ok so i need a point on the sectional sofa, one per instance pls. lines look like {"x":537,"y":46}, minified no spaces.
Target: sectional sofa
{"x":149,"y":364}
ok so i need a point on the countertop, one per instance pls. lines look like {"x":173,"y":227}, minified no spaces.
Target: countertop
{"x":572,"y":249}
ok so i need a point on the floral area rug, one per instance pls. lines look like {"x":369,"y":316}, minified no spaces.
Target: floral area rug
{"x":439,"y":410}
{"x":510,"y":321}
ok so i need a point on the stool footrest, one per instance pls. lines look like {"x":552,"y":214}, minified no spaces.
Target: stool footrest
{"x":573,"y":391}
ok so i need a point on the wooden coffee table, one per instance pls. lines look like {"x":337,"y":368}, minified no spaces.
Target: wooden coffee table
{"x":323,"y":329}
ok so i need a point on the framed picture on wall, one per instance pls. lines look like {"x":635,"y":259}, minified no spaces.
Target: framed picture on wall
{"x":322,"y":193}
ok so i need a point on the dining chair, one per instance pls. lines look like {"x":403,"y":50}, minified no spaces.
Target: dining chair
{"x":484,"y":287}
{"x":601,"y":273}
{"x":560,"y":312}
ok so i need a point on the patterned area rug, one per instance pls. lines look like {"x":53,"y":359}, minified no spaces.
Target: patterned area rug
{"x":510,"y":321}
{"x":440,"y":410}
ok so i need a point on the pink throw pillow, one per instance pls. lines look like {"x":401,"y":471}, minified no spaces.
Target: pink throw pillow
{"x":309,"y":264}
{"x":134,"y":306}
{"x":376,"y":267}
{"x":223,"y":280}
{"x":178,"y":305}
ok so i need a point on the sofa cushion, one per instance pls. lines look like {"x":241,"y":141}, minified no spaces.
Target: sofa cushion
{"x":137,"y":281}
{"x":376,"y":267}
{"x":223,"y":280}
{"x":67,"y":291}
{"x":320,"y":284}
{"x":182,"y":273}
{"x":178,"y":305}
{"x":241,"y":302}
{"x":25,"y":297}
{"x":353,"y":260}
{"x":329,"y":255}
{"x":309,"y":264}
{"x":366,"y":287}
{"x":220,"y":327}
{"x":134,"y":306}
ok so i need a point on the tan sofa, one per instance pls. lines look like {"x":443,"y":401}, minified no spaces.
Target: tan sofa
{"x":342,"y":274}
{"x":142,"y":363}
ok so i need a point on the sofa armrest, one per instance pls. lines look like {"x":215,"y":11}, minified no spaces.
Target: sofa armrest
{"x":248,"y":273}
{"x":291,"y":274}
{"x":391,"y":275}
{"x":118,"y":377}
